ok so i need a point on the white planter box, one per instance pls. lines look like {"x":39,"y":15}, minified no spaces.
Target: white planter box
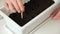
{"x":31,"y":25}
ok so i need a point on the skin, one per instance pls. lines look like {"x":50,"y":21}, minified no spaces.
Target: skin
{"x":56,"y":14}
{"x":14,"y":5}
{"x":17,"y":6}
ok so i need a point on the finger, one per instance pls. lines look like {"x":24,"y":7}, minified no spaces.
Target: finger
{"x":57,"y":16}
{"x":6,"y":5}
{"x":11,"y":7}
{"x":14,"y":2}
{"x":54,"y":13}
{"x":20,"y":5}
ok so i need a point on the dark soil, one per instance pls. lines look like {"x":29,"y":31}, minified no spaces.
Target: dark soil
{"x":32,"y":9}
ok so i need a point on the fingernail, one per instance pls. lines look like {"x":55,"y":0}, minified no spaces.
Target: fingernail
{"x":22,"y":9}
{"x":14,"y":12}
{"x":19,"y":11}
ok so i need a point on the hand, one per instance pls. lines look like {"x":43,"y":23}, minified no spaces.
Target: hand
{"x":56,"y":14}
{"x":14,"y":5}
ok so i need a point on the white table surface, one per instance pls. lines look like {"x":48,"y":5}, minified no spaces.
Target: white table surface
{"x":51,"y":26}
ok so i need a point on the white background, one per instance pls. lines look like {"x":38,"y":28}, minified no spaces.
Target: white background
{"x":51,"y":26}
